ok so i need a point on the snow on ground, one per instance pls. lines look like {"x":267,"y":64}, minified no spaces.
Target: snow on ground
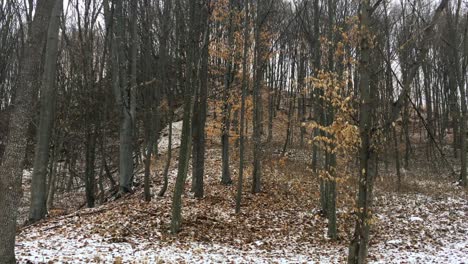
{"x":24,"y":210}
{"x":410,"y":229}
{"x":448,"y":253}
{"x":275,"y":227}
{"x":94,"y":250}
{"x":416,"y":228}
{"x":164,"y":137}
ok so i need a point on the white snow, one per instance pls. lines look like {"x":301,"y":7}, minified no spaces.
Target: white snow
{"x":27,"y":174}
{"x":415,"y":218}
{"x":164,"y":137}
{"x":93,"y":249}
{"x":440,"y":236}
{"x":394,"y":241}
{"x":447,"y":253}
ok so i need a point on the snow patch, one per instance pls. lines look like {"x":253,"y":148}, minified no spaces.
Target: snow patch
{"x":164,"y":137}
{"x":416,"y":219}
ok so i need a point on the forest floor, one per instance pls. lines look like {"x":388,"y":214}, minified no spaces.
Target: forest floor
{"x":425,"y":222}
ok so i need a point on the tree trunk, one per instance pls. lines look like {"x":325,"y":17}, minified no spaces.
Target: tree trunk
{"x":169,"y":157}
{"x":11,"y":169}
{"x":292,"y":100}
{"x":38,"y":208}
{"x":242,"y":113}
{"x":228,"y":78}
{"x":358,"y":247}
{"x":151,"y":97}
{"x":198,"y":158}
{"x":461,"y":86}
{"x":397,"y":158}
{"x":52,"y":185}
{"x":124,"y":97}
{"x":163,"y":53}
{"x":316,"y":69}
{"x":271,"y":100}
{"x":185,"y":145}
{"x":330,"y":165}
{"x":90,"y":178}
{"x":259,"y":58}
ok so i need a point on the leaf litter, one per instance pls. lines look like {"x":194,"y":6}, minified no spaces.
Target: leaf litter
{"x":283,"y":224}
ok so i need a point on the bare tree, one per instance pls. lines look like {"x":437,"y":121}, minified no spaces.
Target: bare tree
{"x":10,"y":171}
{"x":38,"y":208}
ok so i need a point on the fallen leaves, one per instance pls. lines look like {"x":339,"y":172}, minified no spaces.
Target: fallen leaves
{"x":273,"y":226}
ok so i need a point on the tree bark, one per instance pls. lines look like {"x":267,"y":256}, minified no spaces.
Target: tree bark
{"x":359,"y":243}
{"x":38,"y":207}
{"x":199,"y":136}
{"x":124,"y":94}
{"x":186,"y":138}
{"x":259,"y":58}
{"x":228,"y":78}
{"x":90,"y":177}
{"x":242,"y":113}
{"x":11,"y":169}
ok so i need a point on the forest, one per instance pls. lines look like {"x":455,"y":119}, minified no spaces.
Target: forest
{"x":233,"y":131}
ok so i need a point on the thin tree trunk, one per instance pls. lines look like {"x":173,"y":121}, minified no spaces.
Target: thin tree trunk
{"x":397,"y":158}
{"x":316,"y":69}
{"x":228,"y":78}
{"x":169,"y":157}
{"x":330,"y":182}
{"x":52,"y":184}
{"x":257,"y":98}
{"x":271,"y":100}
{"x":243,"y":95}
{"x":292,"y":100}
{"x":90,"y":177}
{"x":199,"y":142}
{"x":185,"y":145}
{"x":359,"y":243}
{"x":151,"y":99}
{"x":163,"y":53}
